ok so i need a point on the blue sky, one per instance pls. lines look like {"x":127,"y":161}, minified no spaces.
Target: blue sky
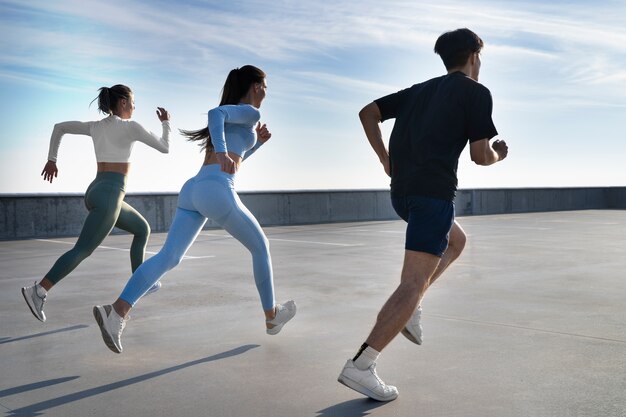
{"x":557,"y":73}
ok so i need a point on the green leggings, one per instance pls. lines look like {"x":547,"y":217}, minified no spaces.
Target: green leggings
{"x":105,"y":201}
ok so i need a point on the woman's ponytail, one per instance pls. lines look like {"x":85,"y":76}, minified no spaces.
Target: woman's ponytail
{"x":104,"y":100}
{"x":202,"y":135}
{"x":109,"y":97}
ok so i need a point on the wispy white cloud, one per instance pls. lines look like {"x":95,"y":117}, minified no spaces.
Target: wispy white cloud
{"x":585,"y":45}
{"x":329,"y":55}
{"x":285,"y":30}
{"x":342,"y":83}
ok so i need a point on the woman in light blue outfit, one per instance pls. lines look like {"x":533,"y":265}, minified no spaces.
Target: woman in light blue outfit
{"x":228,"y":140}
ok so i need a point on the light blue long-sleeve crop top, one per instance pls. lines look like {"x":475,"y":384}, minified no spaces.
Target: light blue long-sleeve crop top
{"x":232,"y":128}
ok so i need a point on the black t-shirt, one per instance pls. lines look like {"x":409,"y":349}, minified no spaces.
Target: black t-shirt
{"x":434,"y":121}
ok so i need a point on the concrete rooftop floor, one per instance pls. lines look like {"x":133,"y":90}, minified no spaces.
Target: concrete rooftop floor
{"x":530,"y":321}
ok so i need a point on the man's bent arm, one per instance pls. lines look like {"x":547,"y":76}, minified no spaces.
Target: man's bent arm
{"x":483,"y":153}
{"x":370,"y":119}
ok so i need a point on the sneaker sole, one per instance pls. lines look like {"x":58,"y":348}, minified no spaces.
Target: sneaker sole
{"x":275,"y":330}
{"x":31,"y":307}
{"x":362,"y":390}
{"x":108,"y":340}
{"x":409,"y":336}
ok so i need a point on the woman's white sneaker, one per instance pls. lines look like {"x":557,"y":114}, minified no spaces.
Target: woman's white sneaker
{"x":35,"y":301}
{"x":156,"y":287}
{"x":111,"y":326}
{"x":284,"y":313}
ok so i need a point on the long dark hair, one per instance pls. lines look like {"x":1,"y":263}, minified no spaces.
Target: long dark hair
{"x":109,"y":97}
{"x":236,"y":86}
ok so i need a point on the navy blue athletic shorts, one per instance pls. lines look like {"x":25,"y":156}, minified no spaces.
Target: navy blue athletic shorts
{"x":429,"y":222}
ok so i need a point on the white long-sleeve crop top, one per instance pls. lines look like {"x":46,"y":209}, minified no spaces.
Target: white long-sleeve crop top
{"x":232,"y":128}
{"x":113,"y":137}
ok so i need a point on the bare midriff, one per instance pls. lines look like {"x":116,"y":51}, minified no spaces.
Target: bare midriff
{"x":211,"y":158}
{"x":119,"y":167}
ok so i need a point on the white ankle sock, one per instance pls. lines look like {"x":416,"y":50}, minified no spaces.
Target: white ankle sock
{"x":366,"y":358}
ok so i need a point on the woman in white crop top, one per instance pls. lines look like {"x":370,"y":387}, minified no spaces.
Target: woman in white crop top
{"x":233,"y":133}
{"x":113,"y":138}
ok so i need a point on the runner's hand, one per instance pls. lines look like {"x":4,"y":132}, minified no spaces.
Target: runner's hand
{"x":501,"y":149}
{"x":162,"y":114}
{"x":262,"y":134}
{"x":50,"y":171}
{"x":226,"y":163}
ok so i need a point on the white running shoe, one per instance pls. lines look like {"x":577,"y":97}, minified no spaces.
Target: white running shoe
{"x":367,"y":382}
{"x":413,"y":328}
{"x":34,"y":301}
{"x":156,"y":287}
{"x":111,"y":326}
{"x":284,"y":313}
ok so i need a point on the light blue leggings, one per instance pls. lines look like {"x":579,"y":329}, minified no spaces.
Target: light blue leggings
{"x":210,"y":194}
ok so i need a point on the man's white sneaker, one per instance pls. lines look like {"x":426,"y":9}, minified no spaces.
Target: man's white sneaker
{"x":284,"y":313}
{"x":34,"y":301}
{"x":156,"y":287}
{"x":111,"y":326}
{"x":367,"y":382}
{"x":413,"y":328}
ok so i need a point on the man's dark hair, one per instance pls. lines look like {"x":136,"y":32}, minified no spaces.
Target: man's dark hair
{"x":456,"y":46}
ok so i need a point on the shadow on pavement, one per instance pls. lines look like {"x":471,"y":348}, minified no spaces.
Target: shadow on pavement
{"x":35,"y":385}
{"x":66,"y":329}
{"x":360,"y":407}
{"x":36,"y":409}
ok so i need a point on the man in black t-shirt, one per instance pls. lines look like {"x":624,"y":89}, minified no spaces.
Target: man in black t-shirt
{"x":434,"y":122}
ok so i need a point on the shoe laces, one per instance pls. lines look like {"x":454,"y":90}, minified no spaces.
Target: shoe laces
{"x":36,"y":293}
{"x":43,"y":299}
{"x":380,"y":381}
{"x":122,"y":323}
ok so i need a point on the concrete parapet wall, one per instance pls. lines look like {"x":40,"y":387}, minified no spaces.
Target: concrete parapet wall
{"x":29,"y":216}
{"x":524,"y":200}
{"x":616,"y":198}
